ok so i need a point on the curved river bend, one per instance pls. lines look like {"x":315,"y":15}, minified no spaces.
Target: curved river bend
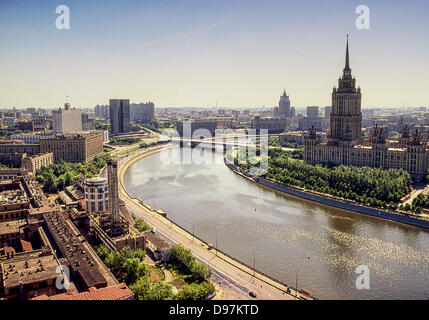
{"x":288,"y":237}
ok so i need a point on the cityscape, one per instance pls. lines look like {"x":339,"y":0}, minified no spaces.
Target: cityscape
{"x":135,"y":197}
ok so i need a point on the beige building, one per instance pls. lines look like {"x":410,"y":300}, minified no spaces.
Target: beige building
{"x":38,"y":161}
{"x":74,"y":147}
{"x":346,"y":146}
{"x":273,"y":125}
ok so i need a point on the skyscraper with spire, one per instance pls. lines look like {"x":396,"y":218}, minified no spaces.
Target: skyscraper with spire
{"x":346,"y":146}
{"x":346,"y":115}
{"x":284,"y":105}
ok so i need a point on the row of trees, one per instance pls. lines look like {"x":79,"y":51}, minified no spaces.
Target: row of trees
{"x":123,"y":141}
{"x":284,"y":144}
{"x":419,"y":203}
{"x":140,"y":224}
{"x":62,"y":174}
{"x":372,"y":186}
{"x":199,"y":272}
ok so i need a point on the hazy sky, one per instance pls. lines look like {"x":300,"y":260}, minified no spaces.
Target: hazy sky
{"x":199,"y":52}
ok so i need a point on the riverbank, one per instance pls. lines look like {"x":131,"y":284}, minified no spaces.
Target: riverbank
{"x":328,"y":201}
{"x":239,"y":274}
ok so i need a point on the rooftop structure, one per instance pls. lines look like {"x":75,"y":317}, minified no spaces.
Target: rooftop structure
{"x":116,"y":292}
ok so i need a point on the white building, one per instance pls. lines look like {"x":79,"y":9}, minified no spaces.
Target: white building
{"x":96,"y":195}
{"x":66,"y":120}
{"x":31,"y":138}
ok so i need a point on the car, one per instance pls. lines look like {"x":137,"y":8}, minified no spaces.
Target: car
{"x":252,"y":294}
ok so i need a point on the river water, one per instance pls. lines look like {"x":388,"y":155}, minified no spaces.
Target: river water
{"x":287,"y":238}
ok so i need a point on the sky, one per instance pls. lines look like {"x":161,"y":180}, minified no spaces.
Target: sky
{"x":203,"y":53}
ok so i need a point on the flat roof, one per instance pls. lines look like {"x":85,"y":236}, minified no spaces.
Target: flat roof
{"x":28,"y":271}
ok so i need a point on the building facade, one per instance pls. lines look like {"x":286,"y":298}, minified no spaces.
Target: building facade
{"x":38,"y":161}
{"x":119,"y":116}
{"x":74,"y":147}
{"x":284,"y":106}
{"x":66,"y":120}
{"x":143,"y":112}
{"x":346,"y":146}
{"x":96,"y":195}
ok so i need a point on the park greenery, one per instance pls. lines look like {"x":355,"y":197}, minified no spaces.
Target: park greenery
{"x":140,"y":224}
{"x":63,"y":174}
{"x":123,"y":141}
{"x":283,"y":144}
{"x":367,"y":186}
{"x":420,"y":203}
{"x":186,"y":261}
{"x":127,"y":266}
{"x":6,"y":134}
{"x":100,"y":126}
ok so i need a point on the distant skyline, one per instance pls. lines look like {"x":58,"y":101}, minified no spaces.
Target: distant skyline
{"x":236,"y":53}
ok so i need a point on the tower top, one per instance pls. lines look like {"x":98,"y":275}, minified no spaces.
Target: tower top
{"x":347,"y":67}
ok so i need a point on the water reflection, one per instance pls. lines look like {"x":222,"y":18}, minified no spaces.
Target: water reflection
{"x":286,"y":234}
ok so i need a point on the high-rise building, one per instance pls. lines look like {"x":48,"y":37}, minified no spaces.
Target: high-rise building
{"x":284,"y":105}
{"x":102,"y":111}
{"x":143,"y":112}
{"x":346,"y":146}
{"x":346,"y":115}
{"x":66,"y":120}
{"x":119,"y":115}
{"x":312,"y":112}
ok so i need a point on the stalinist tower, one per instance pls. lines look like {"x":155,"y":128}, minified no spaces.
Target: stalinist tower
{"x":346,"y":115}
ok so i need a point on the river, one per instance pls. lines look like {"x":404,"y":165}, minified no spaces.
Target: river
{"x":287,"y":238}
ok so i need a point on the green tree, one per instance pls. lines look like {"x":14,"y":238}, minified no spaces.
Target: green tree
{"x":160,"y":291}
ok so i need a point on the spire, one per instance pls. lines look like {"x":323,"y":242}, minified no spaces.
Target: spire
{"x":347,"y":55}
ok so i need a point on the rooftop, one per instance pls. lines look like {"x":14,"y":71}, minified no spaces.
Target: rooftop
{"x":27,"y":269}
{"x":117,"y":292}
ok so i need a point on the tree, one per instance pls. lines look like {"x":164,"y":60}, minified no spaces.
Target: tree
{"x":133,"y":270}
{"x":140,"y":288}
{"x":160,"y":291}
{"x":102,"y":251}
{"x":196,"y":291}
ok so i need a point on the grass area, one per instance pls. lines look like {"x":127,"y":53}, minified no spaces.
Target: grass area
{"x":129,"y":150}
{"x":156,"y":274}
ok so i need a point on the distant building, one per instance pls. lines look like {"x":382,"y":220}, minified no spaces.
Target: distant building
{"x":41,"y":121}
{"x":66,"y":120}
{"x":74,"y":147}
{"x":38,"y":161}
{"x":209,"y":125}
{"x":119,"y":116}
{"x":273,"y":125}
{"x":328,"y":111}
{"x":143,"y":112}
{"x":292,"y":112}
{"x":26,"y":125}
{"x":86,"y":121}
{"x":102,"y":111}
{"x":31,"y":138}
{"x":284,"y":106}
{"x":312,"y":112}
